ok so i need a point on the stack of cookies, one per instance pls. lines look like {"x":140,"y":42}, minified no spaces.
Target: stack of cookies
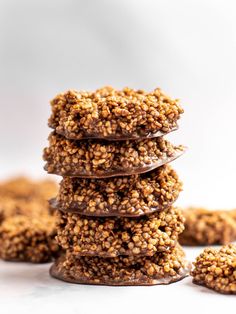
{"x":117,"y":224}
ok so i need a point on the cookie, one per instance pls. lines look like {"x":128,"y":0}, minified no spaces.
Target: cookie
{"x":216,"y":269}
{"x":110,"y":237}
{"x":101,"y":159}
{"x":161,"y":268}
{"x":206,"y":227}
{"x":114,"y":114}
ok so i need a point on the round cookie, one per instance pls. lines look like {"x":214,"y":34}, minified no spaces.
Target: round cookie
{"x":129,"y":196}
{"x":23,"y":188}
{"x":28,"y":239}
{"x":114,"y":114}
{"x":207,"y":227}
{"x":216,"y":269}
{"x":110,"y":237}
{"x":101,"y":159}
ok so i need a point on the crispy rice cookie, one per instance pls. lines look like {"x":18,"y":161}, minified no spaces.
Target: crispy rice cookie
{"x":161,"y":268}
{"x":114,"y":114}
{"x":110,"y":237}
{"x":216,"y":269}
{"x":129,"y":196}
{"x":98,"y":159}
{"x":206,"y":227}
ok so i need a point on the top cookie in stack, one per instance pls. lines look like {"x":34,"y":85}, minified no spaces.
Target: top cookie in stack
{"x":111,"y":114}
{"x":115,"y":199}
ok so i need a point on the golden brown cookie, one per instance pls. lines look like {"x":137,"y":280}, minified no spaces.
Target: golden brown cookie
{"x":114,"y":114}
{"x":206,"y":227}
{"x":27,"y":224}
{"x":110,"y":237}
{"x":216,"y":269}
{"x":28,"y":239}
{"x":128,"y":196}
{"x":161,"y":268}
{"x":101,"y":159}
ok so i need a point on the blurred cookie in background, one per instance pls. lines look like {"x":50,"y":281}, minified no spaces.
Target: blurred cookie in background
{"x":27,"y":223}
{"x":208,"y":227}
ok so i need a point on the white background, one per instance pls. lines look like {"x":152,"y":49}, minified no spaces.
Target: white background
{"x":186,"y":47}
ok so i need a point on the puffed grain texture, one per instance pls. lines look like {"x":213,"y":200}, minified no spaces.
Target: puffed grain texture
{"x":110,"y":237}
{"x":94,"y":158}
{"x":216,"y":269}
{"x":207,"y":227}
{"x":128,"y":196}
{"x":114,"y":114}
{"x":28,"y":239}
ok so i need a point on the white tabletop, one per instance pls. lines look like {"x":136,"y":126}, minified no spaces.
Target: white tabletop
{"x":27,"y":288}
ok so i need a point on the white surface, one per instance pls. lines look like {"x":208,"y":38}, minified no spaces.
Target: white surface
{"x":26,"y":288}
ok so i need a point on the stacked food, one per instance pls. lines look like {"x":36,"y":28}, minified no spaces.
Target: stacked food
{"x":116,"y":221}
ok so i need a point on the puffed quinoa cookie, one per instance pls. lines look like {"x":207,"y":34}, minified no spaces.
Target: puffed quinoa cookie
{"x":23,"y":196}
{"x":206,"y":227}
{"x":28,"y":239}
{"x":23,"y":188}
{"x":216,"y":269}
{"x":10,"y":207}
{"x":128,"y":196}
{"x":161,"y":268}
{"x":110,"y":237}
{"x":114,"y":114}
{"x":98,"y":158}
{"x":27,"y":224}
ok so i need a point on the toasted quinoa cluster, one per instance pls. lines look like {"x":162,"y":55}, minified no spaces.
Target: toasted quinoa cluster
{"x":22,"y":196}
{"x":10,"y":207}
{"x":206,"y":227}
{"x":110,"y":237}
{"x":216,"y":269}
{"x":114,"y":114}
{"x":120,"y":196}
{"x":162,"y":268}
{"x":94,"y":158}
{"x":31,"y":239}
{"x":22,"y":188}
{"x":27,"y":224}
